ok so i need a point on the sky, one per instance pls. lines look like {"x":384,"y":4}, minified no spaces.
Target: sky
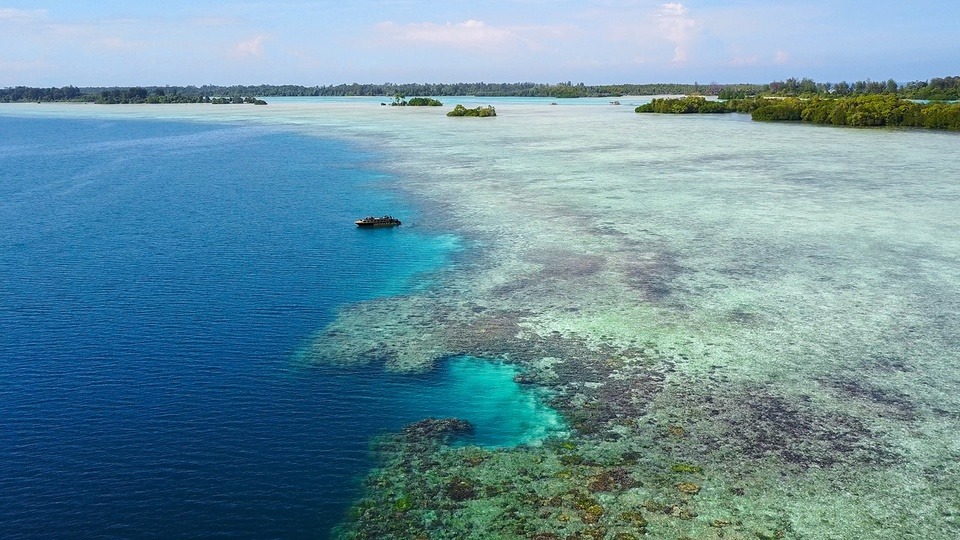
{"x":182,"y":42}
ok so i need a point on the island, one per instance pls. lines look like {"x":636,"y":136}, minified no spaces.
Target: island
{"x":400,"y":100}
{"x":481,"y":111}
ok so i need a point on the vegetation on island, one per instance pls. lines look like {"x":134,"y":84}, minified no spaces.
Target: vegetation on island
{"x":460,"y":110}
{"x":867,"y":110}
{"x":195,"y":94}
{"x":684,"y":105}
{"x":400,"y":100}
{"x":112,"y":96}
{"x":424,"y":102}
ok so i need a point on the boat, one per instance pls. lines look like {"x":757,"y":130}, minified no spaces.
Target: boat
{"x":371,"y":221}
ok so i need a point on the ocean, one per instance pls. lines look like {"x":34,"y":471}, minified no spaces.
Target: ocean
{"x":158,"y":280}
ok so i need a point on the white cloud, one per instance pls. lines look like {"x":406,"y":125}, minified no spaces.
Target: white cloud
{"x":677,"y":27}
{"x":250,"y":47}
{"x":781,"y":57}
{"x":119,"y":36}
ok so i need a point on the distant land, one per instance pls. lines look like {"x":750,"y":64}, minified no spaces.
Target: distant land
{"x":937,"y":89}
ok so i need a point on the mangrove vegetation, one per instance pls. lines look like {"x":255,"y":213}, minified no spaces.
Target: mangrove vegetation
{"x":867,"y":110}
{"x":400,"y":100}
{"x":424,"y":102}
{"x":460,"y":110}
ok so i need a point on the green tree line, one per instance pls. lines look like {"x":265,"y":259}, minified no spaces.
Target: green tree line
{"x":945,"y":88}
{"x":866,"y":110}
{"x":936,"y":89}
{"x":123,"y":95}
{"x":185,"y":93}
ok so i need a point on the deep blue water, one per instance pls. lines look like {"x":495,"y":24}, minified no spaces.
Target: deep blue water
{"x":156,"y":281}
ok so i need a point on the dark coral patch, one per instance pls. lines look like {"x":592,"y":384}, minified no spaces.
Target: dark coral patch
{"x":437,"y":428}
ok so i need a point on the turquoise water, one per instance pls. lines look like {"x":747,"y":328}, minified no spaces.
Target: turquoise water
{"x":157,"y":280}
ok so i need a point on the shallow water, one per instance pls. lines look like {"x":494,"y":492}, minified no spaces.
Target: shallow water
{"x":795,"y":288}
{"x":802,"y":282}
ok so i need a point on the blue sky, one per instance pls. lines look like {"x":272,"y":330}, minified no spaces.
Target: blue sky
{"x":112,"y":42}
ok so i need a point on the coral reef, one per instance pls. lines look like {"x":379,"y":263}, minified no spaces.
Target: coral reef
{"x":434,"y":428}
{"x":738,"y":350}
